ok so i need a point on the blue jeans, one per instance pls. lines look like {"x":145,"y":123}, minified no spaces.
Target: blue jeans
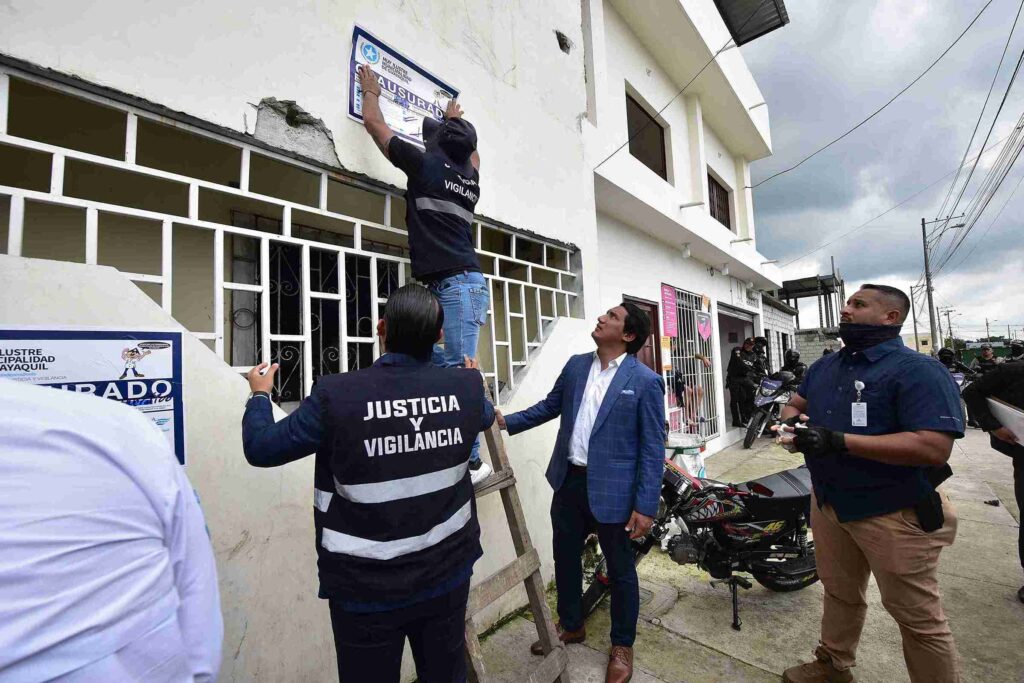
{"x":465,"y":299}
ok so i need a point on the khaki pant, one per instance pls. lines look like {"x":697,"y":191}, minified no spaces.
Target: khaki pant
{"x":904,"y":560}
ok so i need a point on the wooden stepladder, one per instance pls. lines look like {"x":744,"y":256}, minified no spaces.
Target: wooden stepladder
{"x":524,"y":569}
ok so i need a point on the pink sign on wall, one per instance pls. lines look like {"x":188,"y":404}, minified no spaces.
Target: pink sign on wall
{"x":669,"y":325}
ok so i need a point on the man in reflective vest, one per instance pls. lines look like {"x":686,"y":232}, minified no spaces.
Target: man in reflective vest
{"x":396,"y":523}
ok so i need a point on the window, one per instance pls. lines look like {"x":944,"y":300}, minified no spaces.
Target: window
{"x":924,"y":342}
{"x":718,"y":197}
{"x":646,"y":138}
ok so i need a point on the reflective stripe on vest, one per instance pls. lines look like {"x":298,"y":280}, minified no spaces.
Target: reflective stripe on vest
{"x":397,"y":489}
{"x":337,"y":542}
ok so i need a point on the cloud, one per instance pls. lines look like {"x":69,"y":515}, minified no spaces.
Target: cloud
{"x":834,"y":64}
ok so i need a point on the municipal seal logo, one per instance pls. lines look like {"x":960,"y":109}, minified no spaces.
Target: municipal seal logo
{"x":371,"y":53}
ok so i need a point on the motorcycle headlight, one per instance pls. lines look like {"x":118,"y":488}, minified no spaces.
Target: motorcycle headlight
{"x":766,"y":392}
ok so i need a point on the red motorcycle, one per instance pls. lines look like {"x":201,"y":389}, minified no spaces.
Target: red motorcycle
{"x":759,"y":528}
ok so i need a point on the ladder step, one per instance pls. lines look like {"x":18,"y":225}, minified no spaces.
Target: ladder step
{"x":496,"y":482}
{"x":483,"y":594}
{"x":552,"y":667}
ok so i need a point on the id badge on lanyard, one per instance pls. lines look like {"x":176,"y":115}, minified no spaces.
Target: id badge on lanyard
{"x":859,"y":409}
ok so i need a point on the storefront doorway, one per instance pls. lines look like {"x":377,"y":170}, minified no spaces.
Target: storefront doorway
{"x":733,"y":327}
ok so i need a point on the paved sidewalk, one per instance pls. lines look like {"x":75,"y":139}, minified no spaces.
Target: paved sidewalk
{"x":685,"y":634}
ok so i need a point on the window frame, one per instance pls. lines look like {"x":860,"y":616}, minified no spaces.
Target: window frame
{"x":663,"y":128}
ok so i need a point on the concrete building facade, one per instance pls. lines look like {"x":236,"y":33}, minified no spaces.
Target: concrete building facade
{"x":203,"y":175}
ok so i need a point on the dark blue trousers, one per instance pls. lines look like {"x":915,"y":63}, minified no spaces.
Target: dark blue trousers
{"x":369,"y":645}
{"x":572,"y":522}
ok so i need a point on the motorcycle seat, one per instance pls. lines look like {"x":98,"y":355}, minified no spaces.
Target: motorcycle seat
{"x":794,"y":483}
{"x":790,"y":492}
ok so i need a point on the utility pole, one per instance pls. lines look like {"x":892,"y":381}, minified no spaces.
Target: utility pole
{"x":928,"y":279}
{"x":933,"y":320}
{"x":988,"y":335}
{"x":913,"y":312}
{"x":949,"y":329}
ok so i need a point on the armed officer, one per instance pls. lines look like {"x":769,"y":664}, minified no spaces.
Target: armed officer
{"x":396,"y":521}
{"x":441,"y":194}
{"x":948,"y":358}
{"x":743,"y":367}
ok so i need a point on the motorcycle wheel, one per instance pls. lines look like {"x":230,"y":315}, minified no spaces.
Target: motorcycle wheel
{"x":600,"y":584}
{"x":755,"y":427}
{"x":787,"y":583}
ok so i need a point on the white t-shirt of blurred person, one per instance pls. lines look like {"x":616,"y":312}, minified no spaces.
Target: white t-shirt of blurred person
{"x":106,"y":568}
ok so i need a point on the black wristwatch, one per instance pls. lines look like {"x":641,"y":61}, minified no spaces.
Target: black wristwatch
{"x":258,"y":393}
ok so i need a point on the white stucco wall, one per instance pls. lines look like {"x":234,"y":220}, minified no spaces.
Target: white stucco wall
{"x":719,"y":158}
{"x":634,"y":264}
{"x":521,"y":92}
{"x":260,"y":520}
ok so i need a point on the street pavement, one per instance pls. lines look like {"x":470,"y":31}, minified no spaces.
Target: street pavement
{"x":684,"y":633}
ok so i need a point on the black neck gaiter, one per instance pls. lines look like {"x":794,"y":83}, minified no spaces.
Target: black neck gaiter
{"x":857,"y":337}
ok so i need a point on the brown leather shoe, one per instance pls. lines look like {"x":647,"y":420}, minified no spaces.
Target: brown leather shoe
{"x":620,"y":665}
{"x":818,"y":671}
{"x":567,"y":637}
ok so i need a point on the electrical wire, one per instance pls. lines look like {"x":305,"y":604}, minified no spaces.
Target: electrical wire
{"x":890,"y":209}
{"x":722,"y":49}
{"x":984,"y":234}
{"x":981,"y":114}
{"x":880,"y":109}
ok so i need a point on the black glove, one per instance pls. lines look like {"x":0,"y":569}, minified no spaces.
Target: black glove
{"x":793,"y":421}
{"x":814,"y":441}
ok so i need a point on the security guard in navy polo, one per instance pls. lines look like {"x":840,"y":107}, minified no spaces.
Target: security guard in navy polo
{"x":876,"y":423}
{"x":396,"y":524}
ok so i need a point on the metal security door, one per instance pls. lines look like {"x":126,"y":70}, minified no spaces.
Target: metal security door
{"x":691,"y":383}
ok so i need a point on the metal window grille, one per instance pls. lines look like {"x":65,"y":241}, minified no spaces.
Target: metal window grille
{"x":691,"y":383}
{"x":283,"y":292}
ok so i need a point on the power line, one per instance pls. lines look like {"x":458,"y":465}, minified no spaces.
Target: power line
{"x":688,"y":83}
{"x":890,"y":209}
{"x":982,"y":238}
{"x":981,"y":114}
{"x":995,"y":119}
{"x":880,"y":109}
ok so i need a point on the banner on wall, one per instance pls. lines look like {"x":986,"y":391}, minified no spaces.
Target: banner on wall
{"x":408,"y":93}
{"x":141,"y":369}
{"x":669,"y":325}
{"x":666,"y":353}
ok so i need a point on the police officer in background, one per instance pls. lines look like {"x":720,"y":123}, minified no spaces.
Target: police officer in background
{"x":1016,"y":352}
{"x":791,"y":363}
{"x":878,"y":423}
{"x":396,"y":521}
{"x":986,"y":362}
{"x":738,"y":376}
{"x":948,"y":358}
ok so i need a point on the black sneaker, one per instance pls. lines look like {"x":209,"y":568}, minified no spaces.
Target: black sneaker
{"x":478,"y":471}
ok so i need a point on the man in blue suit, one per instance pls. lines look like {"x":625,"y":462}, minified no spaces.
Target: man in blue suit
{"x":606,"y":470}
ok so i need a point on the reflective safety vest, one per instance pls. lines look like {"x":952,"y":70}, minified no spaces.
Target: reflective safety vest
{"x":394,"y":508}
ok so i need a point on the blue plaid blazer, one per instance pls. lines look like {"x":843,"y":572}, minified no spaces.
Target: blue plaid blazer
{"x":626,"y":456}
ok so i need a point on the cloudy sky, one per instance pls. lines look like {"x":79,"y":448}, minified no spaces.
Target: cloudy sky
{"x":834,"y":64}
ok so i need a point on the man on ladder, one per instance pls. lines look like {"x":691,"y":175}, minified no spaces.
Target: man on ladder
{"x":442,"y":191}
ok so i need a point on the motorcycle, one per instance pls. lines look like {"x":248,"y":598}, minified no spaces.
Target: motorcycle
{"x":773,"y":393}
{"x":964,"y":380}
{"x":759,"y":527}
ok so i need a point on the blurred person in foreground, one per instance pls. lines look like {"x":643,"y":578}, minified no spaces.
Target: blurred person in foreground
{"x":106,"y":569}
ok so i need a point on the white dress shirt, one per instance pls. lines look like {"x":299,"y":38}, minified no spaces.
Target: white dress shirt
{"x":106,"y":569}
{"x":598,"y":381}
